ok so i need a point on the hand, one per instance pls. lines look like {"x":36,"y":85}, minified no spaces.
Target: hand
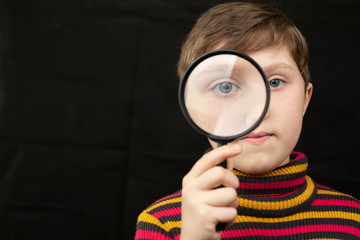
{"x":204,"y":202}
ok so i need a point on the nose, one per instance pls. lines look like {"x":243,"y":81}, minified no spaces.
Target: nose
{"x":267,"y":112}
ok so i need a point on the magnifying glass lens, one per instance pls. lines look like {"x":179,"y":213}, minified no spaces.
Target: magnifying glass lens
{"x":225,"y":96}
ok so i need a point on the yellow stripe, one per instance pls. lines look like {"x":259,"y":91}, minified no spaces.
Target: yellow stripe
{"x":279,"y":172}
{"x":328,"y":192}
{"x":302,"y":216}
{"x":320,"y":191}
{"x":282,"y":204}
{"x":170,"y":225}
{"x":145,"y":217}
{"x":173,"y":200}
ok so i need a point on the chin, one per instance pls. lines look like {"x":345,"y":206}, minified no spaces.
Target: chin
{"x":256,"y":170}
{"x":256,"y":164}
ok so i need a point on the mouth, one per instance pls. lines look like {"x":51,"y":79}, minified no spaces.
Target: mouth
{"x":257,"y":138}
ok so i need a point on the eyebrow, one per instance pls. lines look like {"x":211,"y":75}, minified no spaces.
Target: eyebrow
{"x":276,"y":66}
{"x":214,"y":69}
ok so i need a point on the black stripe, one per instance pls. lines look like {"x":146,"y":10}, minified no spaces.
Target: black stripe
{"x":245,"y":192}
{"x":172,"y":218}
{"x":335,"y":196}
{"x":152,"y":227}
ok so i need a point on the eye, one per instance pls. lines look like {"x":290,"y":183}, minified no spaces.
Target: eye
{"x":275,"y":83}
{"x":225,"y":88}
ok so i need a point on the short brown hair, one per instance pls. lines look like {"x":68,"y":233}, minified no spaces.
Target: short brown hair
{"x":246,"y":27}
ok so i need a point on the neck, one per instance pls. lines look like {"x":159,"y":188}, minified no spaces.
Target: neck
{"x":278,"y":190}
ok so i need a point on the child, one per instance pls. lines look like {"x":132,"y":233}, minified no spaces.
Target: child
{"x":266,"y":193}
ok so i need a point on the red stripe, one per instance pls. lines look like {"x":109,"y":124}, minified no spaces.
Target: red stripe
{"x":291,"y":231}
{"x":145,"y":234}
{"x":299,"y":155}
{"x":336,"y":202}
{"x":271,"y":185}
{"x":167,"y":212}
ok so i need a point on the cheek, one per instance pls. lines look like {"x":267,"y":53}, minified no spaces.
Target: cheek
{"x":287,"y":111}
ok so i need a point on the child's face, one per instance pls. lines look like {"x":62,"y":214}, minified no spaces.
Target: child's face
{"x":270,"y":144}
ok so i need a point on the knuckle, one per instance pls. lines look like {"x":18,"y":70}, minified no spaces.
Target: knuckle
{"x":203,"y":213}
{"x":206,"y":154}
{"x":232,"y":194}
{"x":236,"y":181}
{"x":233,"y":214}
{"x":186,"y":192}
{"x":186,"y":180}
{"x":219,"y":173}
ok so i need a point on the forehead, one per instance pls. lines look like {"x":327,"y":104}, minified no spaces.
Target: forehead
{"x":274,"y":49}
{"x":268,"y":57}
{"x":274,"y":56}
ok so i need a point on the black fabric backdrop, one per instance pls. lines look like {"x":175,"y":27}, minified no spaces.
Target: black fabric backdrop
{"x":91,"y":132}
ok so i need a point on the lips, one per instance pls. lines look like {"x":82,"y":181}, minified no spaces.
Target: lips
{"x":257,"y":138}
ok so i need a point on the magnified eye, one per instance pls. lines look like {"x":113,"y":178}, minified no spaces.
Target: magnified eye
{"x":274,"y":83}
{"x":225,"y":88}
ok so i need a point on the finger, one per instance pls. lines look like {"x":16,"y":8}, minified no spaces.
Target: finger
{"x":216,"y":177}
{"x":221,"y":197}
{"x":214,"y":158}
{"x":225,"y":215}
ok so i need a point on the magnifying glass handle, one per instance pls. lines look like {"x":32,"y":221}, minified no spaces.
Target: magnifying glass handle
{"x":224,"y":163}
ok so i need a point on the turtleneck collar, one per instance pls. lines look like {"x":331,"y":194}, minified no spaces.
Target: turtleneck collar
{"x":283,"y":191}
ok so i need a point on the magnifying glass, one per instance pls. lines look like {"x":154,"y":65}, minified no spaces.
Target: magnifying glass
{"x":224,"y":95}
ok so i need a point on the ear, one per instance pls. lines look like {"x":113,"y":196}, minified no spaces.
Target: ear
{"x":308,"y":94}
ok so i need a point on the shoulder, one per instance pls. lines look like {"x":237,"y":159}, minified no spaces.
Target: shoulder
{"x":337,"y":201}
{"x":168,"y":200}
{"x":163,"y":217}
{"x":329,"y":193}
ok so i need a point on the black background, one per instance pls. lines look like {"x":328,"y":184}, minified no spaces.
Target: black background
{"x":91,"y":131}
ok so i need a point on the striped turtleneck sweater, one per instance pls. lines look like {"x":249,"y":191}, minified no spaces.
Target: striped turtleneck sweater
{"x":282,"y":204}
